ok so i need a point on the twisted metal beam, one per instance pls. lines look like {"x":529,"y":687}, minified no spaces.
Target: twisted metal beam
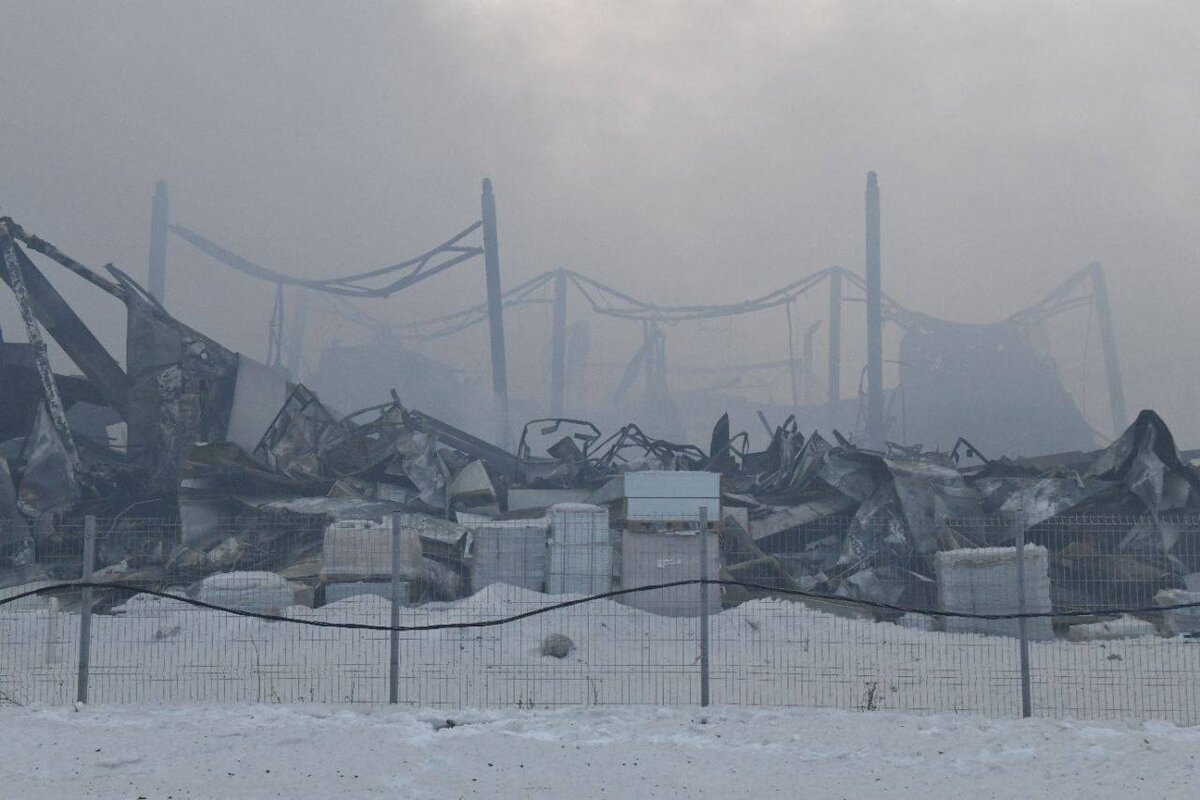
{"x":418,"y":268}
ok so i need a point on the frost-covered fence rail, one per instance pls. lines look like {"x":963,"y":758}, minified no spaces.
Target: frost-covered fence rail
{"x":1111,"y":626}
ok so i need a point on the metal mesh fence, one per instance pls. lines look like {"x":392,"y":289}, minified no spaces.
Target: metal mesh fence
{"x":833,"y":614}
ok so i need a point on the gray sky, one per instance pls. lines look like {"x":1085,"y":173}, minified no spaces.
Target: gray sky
{"x":693,"y":151}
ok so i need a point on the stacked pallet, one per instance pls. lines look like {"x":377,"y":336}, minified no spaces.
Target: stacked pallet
{"x":581,"y":552}
{"x":984,"y":581}
{"x":653,"y":557}
{"x":511,"y":552}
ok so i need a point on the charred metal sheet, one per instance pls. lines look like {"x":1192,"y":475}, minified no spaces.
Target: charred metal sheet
{"x":333,"y":508}
{"x":258,"y":394}
{"x":12,"y":525}
{"x":876,"y":584}
{"x":783,"y":518}
{"x":21,"y":392}
{"x":614,"y":453}
{"x":231,"y":470}
{"x":854,"y":473}
{"x":204,"y":512}
{"x":792,"y":463}
{"x":472,"y":483}
{"x":720,"y":447}
{"x":1145,"y":461}
{"x":927,"y":491}
{"x":1040,"y":499}
{"x":69,"y":331}
{"x":296,"y":439}
{"x":567,"y":445}
{"x":422,"y":465}
{"x":40,"y":245}
{"x":661,"y":495}
{"x":181,"y":390}
{"x":53,"y":404}
{"x":786,"y":441}
{"x":878,"y":533}
{"x":48,"y":482}
{"x":360,"y":449}
{"x":497,"y":457}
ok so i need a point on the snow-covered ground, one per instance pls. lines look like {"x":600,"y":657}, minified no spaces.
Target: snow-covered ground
{"x":330,"y":752}
{"x":764,"y":653}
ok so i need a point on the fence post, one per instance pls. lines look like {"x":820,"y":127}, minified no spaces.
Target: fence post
{"x":394,"y":635}
{"x":704,"y":606}
{"x":1022,"y":623}
{"x":85,"y":614}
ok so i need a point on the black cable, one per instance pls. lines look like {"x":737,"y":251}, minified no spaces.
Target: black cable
{"x":489,"y":623}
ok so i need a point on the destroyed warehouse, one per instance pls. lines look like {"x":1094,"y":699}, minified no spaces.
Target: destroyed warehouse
{"x":199,"y":461}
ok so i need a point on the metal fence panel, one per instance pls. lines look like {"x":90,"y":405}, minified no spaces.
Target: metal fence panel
{"x":776,"y":638}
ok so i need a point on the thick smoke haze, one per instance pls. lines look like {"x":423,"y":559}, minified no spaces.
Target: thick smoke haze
{"x":683,"y":151}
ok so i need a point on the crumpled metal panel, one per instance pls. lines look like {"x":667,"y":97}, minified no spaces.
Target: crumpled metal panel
{"x":798,"y":466}
{"x":853,"y":473}
{"x":878,"y":530}
{"x":424,"y":467}
{"x":1144,"y":459}
{"x":783,"y":518}
{"x":48,"y":483}
{"x":1040,"y":499}
{"x":354,"y":449}
{"x":259,"y":392}
{"x":294,"y":444}
{"x":181,"y":387}
{"x":877,"y":585}
{"x":927,"y":491}
{"x":472,"y":482}
{"x":12,"y":525}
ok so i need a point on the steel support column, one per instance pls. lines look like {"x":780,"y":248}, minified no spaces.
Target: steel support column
{"x":558,"y":344}
{"x":1108,"y":340}
{"x":156,"y":282}
{"x":833,"y":380}
{"x":491,"y":258}
{"x":875,"y":431}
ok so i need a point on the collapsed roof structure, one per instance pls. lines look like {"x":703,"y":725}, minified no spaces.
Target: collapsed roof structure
{"x":942,"y":383}
{"x":192,"y":431}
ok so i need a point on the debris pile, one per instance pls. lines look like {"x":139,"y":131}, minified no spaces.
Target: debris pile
{"x":200,"y":462}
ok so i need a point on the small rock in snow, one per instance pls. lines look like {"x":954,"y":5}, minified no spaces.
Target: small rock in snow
{"x":557,"y":645}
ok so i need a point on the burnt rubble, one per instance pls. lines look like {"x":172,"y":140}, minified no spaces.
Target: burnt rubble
{"x":197,"y":460}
